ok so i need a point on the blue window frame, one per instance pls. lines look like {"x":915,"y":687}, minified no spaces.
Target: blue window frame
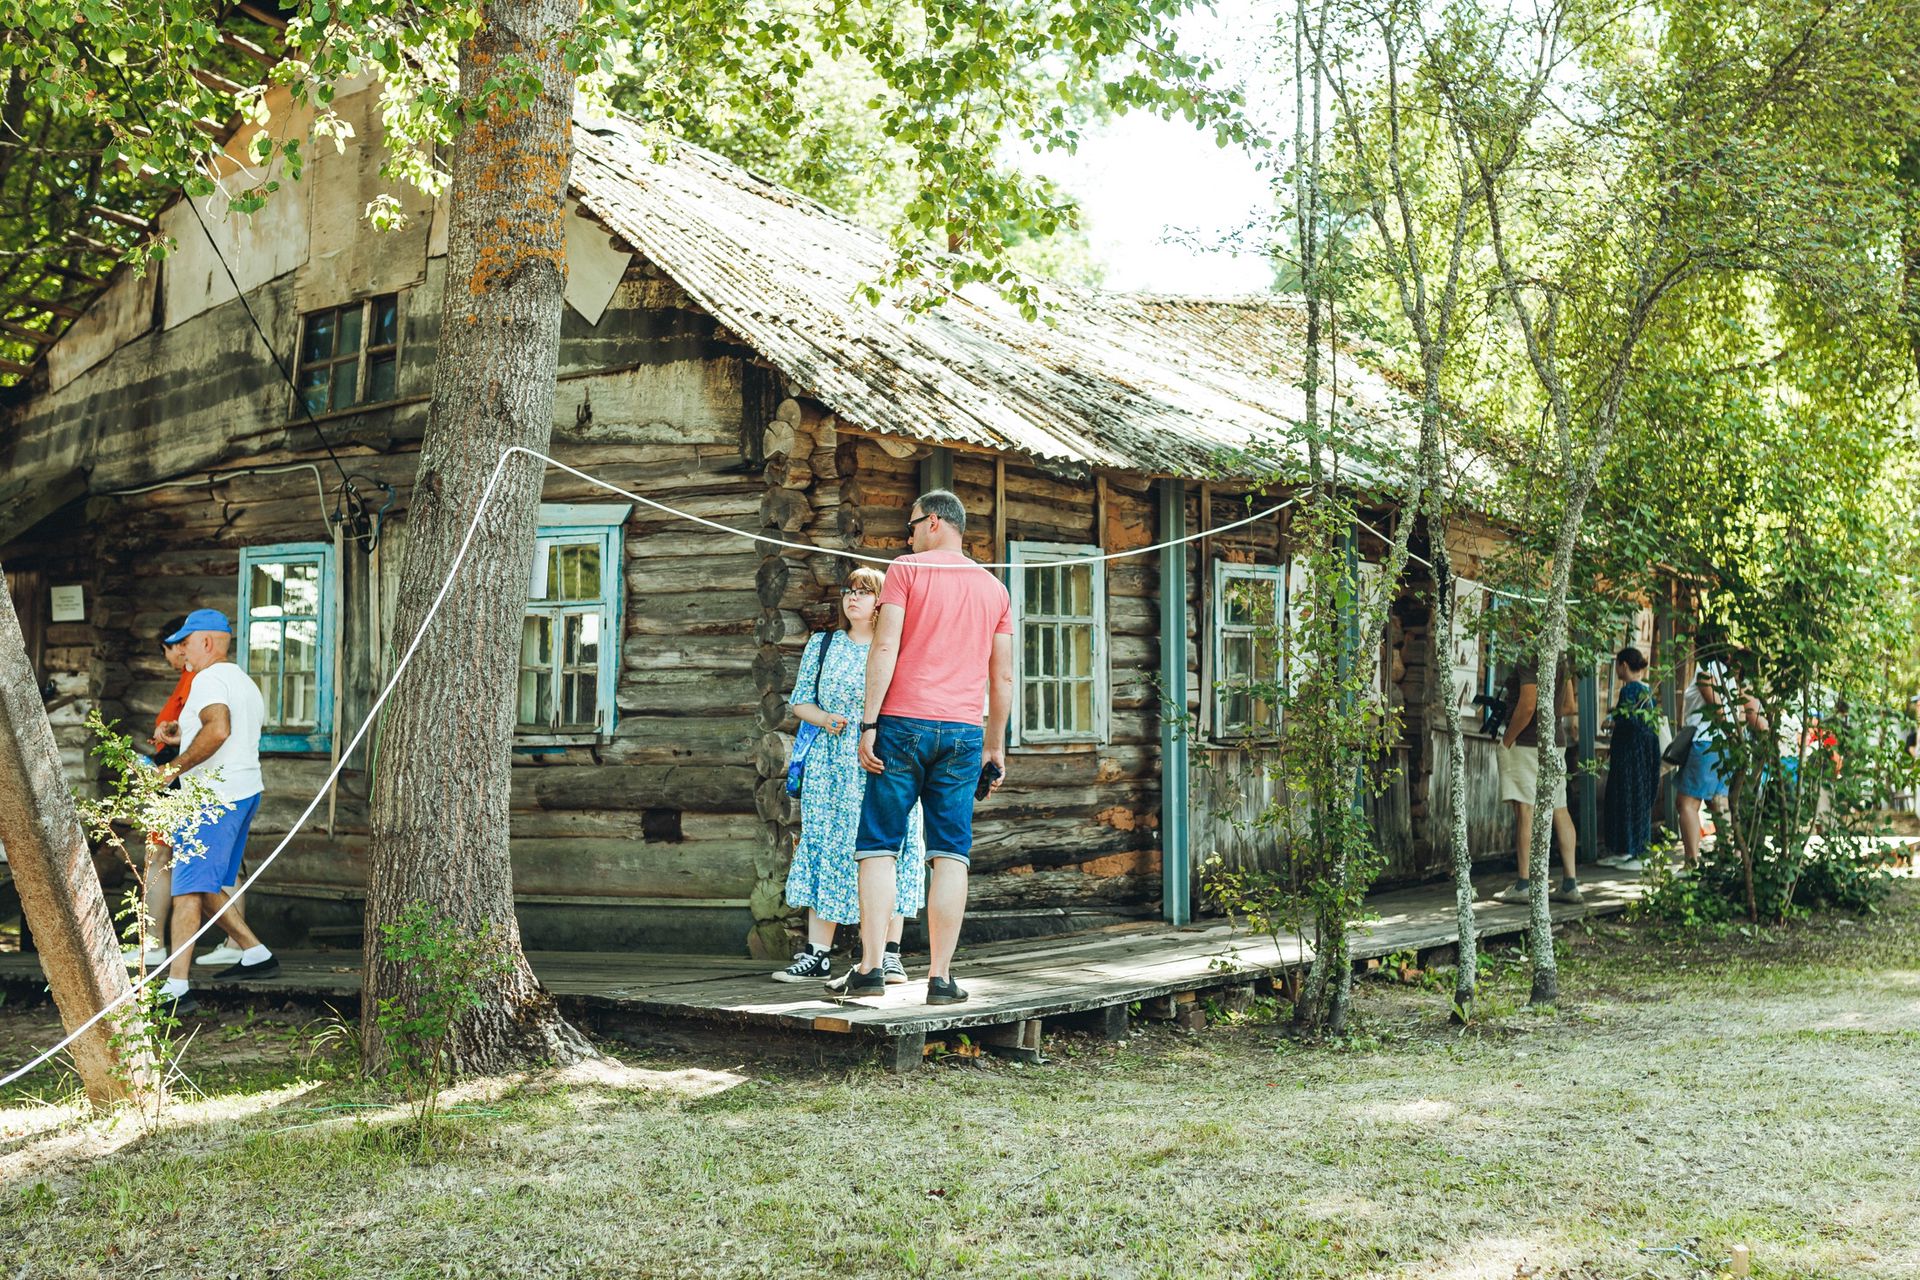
{"x":570,"y":637}
{"x":287,"y":619}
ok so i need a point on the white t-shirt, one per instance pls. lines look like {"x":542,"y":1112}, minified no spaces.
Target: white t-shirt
{"x":238,"y":758}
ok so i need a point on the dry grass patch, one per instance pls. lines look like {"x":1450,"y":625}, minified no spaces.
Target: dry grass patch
{"x":1697,"y":1093}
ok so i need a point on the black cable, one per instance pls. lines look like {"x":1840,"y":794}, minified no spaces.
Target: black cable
{"x":286,"y":374}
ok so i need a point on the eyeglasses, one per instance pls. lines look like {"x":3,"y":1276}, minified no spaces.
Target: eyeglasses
{"x":916,"y":520}
{"x":847,"y":593}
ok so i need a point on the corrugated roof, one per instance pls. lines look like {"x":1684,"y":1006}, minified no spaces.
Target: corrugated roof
{"x":1163,"y":385}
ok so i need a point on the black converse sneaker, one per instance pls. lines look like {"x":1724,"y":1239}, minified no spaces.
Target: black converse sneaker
{"x":891,"y":966}
{"x":807,"y":966}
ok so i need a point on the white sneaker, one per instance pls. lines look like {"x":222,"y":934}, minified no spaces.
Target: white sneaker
{"x":154,"y":958}
{"x":1611,"y":860}
{"x":1629,"y":864}
{"x":225,"y":953}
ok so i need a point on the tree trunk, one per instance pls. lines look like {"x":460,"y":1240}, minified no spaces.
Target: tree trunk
{"x":60,"y":895}
{"x":441,"y":798}
{"x":1466,"y":975}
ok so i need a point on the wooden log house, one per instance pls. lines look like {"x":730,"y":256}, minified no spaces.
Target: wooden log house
{"x":715,"y":358}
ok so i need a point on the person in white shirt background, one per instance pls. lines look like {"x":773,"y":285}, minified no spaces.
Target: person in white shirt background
{"x":219,"y":743}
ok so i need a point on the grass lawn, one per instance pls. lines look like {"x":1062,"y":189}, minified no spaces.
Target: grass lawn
{"x":1691,"y":1095}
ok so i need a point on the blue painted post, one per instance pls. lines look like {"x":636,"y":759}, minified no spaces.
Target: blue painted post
{"x":1176,"y":858}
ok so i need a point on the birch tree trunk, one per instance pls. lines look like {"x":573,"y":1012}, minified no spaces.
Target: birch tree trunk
{"x":440,"y":824}
{"x":60,"y":895}
{"x":1466,"y":973}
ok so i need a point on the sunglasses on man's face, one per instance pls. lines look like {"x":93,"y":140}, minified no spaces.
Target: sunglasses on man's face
{"x":916,"y":520}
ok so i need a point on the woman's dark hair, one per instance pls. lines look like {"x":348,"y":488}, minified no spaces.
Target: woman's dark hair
{"x":1633,"y":658}
{"x":173,"y":626}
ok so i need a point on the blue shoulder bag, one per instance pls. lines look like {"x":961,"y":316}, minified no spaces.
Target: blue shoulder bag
{"x":803,"y":740}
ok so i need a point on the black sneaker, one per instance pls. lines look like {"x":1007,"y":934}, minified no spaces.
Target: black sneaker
{"x":268,"y":968}
{"x":181,"y":1005}
{"x":807,"y":966}
{"x":896,"y":971}
{"x":944,"y":991}
{"x":872,"y":982}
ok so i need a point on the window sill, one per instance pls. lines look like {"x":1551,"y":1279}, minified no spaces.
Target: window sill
{"x":1054,"y":748}
{"x":331,"y":415}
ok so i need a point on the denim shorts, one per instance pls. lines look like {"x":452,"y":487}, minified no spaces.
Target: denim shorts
{"x":935,"y":763}
{"x":1700,"y":775}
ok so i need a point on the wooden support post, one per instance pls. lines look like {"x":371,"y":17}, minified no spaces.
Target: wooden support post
{"x":905,"y":1052}
{"x":1000,"y":510}
{"x":936,"y":470}
{"x":1176,"y":888}
{"x":60,"y":896}
{"x":1017,"y":1040}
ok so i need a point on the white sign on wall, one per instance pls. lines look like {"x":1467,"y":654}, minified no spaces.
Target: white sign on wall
{"x":69,"y":604}
{"x":1468,"y":601}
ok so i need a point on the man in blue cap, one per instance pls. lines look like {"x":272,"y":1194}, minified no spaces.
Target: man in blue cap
{"x":220,"y":744}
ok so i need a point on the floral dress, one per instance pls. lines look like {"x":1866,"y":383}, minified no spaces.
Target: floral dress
{"x":823,"y":876}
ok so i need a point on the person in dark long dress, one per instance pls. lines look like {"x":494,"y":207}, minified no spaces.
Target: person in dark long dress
{"x":1633,"y":765}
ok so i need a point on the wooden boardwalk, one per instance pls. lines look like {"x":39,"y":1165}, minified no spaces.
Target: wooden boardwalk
{"x":1089,"y":979}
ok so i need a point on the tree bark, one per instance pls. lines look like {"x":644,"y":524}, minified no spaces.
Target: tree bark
{"x":60,"y":895}
{"x":440,"y":804}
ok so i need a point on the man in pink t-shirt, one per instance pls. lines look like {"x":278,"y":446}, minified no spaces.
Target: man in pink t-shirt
{"x":942,"y":649}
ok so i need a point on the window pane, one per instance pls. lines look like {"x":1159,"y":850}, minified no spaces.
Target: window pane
{"x":579,"y":703}
{"x":263,"y":664}
{"x":1080,"y":650}
{"x":536,"y":688}
{"x":1030,"y":651}
{"x":314,"y":384}
{"x":1030,"y":707}
{"x":380,"y":379}
{"x":583,"y":640}
{"x":386,"y":321}
{"x":1049,"y":591}
{"x":319,"y":340}
{"x":344,"y":375}
{"x":536,"y":641}
{"x":300,"y":659}
{"x":265,"y":593}
{"x":346,"y":341}
{"x":300,"y":584}
{"x":1081,"y":720}
{"x":1080,"y":591}
{"x":1236,"y":710}
{"x":1236,"y":657}
{"x":1050,"y":650}
{"x":1050,"y":705}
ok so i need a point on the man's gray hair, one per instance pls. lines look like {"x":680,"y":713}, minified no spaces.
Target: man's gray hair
{"x":943,"y":503}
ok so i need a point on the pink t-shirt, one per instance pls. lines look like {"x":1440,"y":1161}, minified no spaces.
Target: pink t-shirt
{"x":946,"y":636}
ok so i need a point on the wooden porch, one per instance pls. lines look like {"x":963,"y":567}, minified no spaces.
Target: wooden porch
{"x":1089,"y":980}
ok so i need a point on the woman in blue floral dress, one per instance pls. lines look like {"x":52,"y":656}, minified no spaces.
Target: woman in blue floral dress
{"x":823,"y":878}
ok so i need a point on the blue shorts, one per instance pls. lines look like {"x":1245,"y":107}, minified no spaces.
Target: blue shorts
{"x":935,"y":763}
{"x":225,"y":838}
{"x":1700,"y":775}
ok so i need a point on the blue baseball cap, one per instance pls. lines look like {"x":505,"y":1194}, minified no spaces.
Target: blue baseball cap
{"x":201,"y":620}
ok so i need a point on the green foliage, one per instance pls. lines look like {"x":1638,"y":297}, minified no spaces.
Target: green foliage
{"x":1819,"y":875}
{"x":137,"y":798}
{"x":448,"y":972}
{"x":947,"y":88}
